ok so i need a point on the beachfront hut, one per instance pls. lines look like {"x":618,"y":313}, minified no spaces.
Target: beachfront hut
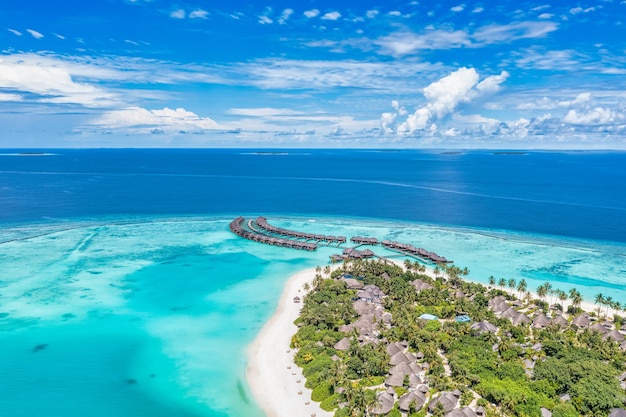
{"x":343,"y":344}
{"x":484,"y":327}
{"x":427,"y":316}
{"x":614,"y":335}
{"x":459,"y":294}
{"x":509,"y":313}
{"x":480,"y":411}
{"x":384,"y":403}
{"x":386,"y":276}
{"x":296,"y":299}
{"x":415,"y":397}
{"x":540,"y":321}
{"x":520,"y":320}
{"x":599,"y":328}
{"x":353,"y":284}
{"x":362,"y":307}
{"x":405,"y":368}
{"x":393,"y":348}
{"x":582,"y":321}
{"x":421,"y":285}
{"x":559,"y":321}
{"x":462,"y":412}
{"x":448,"y":400}
{"x":400,"y":357}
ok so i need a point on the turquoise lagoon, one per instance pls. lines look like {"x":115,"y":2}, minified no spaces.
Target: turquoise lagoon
{"x":151,"y":316}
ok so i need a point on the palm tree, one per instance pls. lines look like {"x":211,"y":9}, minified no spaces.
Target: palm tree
{"x":521,"y":287}
{"x":502,"y":283}
{"x":492,"y":281}
{"x":562,"y":297}
{"x":575,"y":296}
{"x":599,"y":300}
{"x":608,"y":301}
{"x":512,"y":284}
{"x":542,"y":291}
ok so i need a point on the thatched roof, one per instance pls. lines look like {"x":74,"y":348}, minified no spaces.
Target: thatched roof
{"x":521,"y":320}
{"x":559,"y":321}
{"x":421,"y":285}
{"x":484,"y":326}
{"x":446,"y":399}
{"x":405,"y":368}
{"x":509,"y":313}
{"x":540,"y":321}
{"x":343,"y":344}
{"x":384,"y":403}
{"x":416,"y":397}
{"x":617,"y":412}
{"x":615,"y":335}
{"x":599,"y":328}
{"x":353,"y":284}
{"x":400,"y":357}
{"x":462,"y":412}
{"x":545,"y":412}
{"x":393,"y":348}
{"x":581,"y":321}
{"x":395,"y":380}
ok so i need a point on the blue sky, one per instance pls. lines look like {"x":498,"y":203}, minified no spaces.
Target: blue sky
{"x":197,"y":73}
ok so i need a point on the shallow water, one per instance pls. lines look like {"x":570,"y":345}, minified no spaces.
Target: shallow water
{"x":151,"y":316}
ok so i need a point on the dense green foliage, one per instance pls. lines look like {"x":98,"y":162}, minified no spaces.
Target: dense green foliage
{"x":493,"y":366}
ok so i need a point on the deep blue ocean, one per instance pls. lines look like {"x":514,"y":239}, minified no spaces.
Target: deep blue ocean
{"x":123,"y":293}
{"x":574,"y":194}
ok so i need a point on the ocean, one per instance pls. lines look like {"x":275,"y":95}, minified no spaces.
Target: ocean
{"x":123,"y":293}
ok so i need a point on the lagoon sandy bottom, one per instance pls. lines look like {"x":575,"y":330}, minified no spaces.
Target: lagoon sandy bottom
{"x":157,"y":313}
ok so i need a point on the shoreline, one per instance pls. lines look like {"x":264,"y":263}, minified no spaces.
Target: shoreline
{"x":275,"y":381}
{"x":271,"y":372}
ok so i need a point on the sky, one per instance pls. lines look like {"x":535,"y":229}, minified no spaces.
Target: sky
{"x":313,"y":73}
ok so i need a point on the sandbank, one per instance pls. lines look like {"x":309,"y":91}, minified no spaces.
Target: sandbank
{"x":275,"y":380}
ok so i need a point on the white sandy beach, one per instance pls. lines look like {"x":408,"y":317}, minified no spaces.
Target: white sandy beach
{"x":275,"y":381}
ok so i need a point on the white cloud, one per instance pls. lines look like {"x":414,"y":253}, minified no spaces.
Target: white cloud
{"x":199,"y":14}
{"x":10,"y":97}
{"x":59,"y":36}
{"x":478,"y":10}
{"x":539,"y":8}
{"x":178,"y":14}
{"x":331,"y":16}
{"x":458,"y":8}
{"x":34,"y":33}
{"x":443,"y":97}
{"x":285,"y":15}
{"x":402,"y":43}
{"x":311,"y":13}
{"x":594,"y":116}
{"x":50,"y":81}
{"x":394,"y":13}
{"x":371,"y":13}
{"x":545,"y":16}
{"x":15,"y":32}
{"x":166,"y":120}
{"x":264,"y":20}
{"x":519,"y":30}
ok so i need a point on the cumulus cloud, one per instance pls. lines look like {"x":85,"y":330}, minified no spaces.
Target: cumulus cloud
{"x":166,"y":120}
{"x":478,"y":10}
{"x":49,"y":82}
{"x":284,"y":16}
{"x":15,"y":32}
{"x":178,"y":14}
{"x":199,"y":14}
{"x":371,"y":13}
{"x":331,"y":16}
{"x":265,"y":20}
{"x":594,"y":116}
{"x":34,"y":33}
{"x":442,"y":98}
{"x":311,"y":13}
{"x":458,"y":8}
